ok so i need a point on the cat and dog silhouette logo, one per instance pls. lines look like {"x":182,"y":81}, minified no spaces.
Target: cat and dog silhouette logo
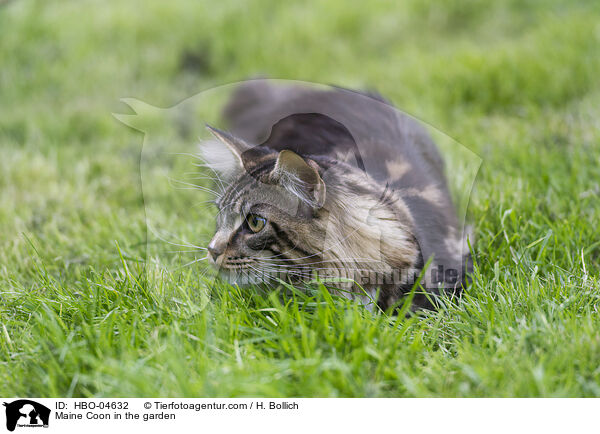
{"x":26,"y":413}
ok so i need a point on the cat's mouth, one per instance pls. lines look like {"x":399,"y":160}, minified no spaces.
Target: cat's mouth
{"x":234,"y":263}
{"x":241,"y":271}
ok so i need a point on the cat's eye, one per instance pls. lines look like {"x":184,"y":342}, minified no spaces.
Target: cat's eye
{"x":256,"y":223}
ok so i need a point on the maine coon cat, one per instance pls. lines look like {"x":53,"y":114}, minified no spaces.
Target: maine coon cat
{"x":334,"y":184}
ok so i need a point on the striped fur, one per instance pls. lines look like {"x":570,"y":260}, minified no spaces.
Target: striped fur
{"x":363,"y":210}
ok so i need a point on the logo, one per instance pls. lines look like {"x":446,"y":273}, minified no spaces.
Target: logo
{"x":26,"y":413}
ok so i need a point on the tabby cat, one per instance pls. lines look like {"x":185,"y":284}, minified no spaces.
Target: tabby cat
{"x":335,"y":184}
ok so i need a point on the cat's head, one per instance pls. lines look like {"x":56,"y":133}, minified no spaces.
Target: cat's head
{"x":282,"y":215}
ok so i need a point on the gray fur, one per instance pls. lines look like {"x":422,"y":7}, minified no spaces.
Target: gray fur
{"x":386,"y":192}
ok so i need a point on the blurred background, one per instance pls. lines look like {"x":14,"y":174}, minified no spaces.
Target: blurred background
{"x":474,"y":69}
{"x":495,"y":76}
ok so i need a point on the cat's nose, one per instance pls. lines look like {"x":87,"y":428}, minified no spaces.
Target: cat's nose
{"x":216,"y":248}
{"x":215,"y":253}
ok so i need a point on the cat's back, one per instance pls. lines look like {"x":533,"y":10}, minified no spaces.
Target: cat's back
{"x":360,"y":129}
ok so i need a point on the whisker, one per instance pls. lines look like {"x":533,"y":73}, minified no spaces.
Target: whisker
{"x":340,"y":260}
{"x":193,"y":186}
{"x":203,"y":202}
{"x":190,"y":263}
{"x":193,"y":246}
{"x":182,"y":251}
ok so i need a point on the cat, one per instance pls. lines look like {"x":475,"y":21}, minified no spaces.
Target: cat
{"x":336,"y":184}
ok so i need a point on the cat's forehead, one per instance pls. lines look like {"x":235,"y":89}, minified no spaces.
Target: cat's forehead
{"x":248,"y":191}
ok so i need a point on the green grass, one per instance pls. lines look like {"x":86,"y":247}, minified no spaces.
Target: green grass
{"x":82,"y":314}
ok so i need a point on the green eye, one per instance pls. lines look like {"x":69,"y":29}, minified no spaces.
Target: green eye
{"x":256,"y":223}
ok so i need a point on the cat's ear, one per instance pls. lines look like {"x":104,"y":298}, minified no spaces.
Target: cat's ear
{"x":299,"y":176}
{"x":224,"y":155}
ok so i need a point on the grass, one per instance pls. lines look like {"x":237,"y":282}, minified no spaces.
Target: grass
{"x":83,"y":313}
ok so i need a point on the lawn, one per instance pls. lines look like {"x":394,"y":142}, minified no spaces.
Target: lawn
{"x":84,"y":313}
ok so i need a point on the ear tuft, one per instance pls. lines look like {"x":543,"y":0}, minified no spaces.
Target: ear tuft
{"x":223,"y":155}
{"x":219,"y":158}
{"x":300,"y":177}
{"x":236,"y":145}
